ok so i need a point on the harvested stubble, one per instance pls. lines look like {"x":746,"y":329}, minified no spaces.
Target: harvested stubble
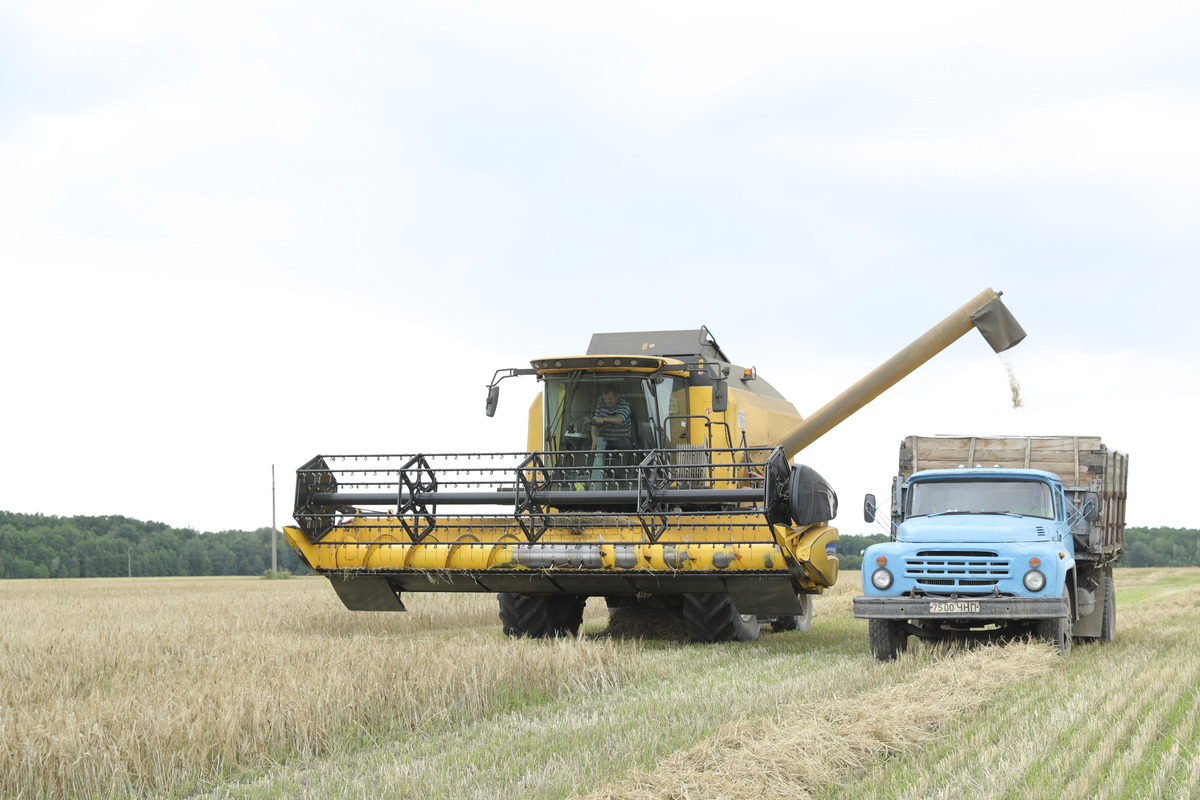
{"x":1116,"y":721}
{"x":115,"y":688}
{"x":433,"y":703}
{"x":793,"y":755}
{"x":640,"y":623}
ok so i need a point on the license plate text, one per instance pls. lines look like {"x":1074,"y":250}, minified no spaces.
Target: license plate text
{"x":954,"y":607}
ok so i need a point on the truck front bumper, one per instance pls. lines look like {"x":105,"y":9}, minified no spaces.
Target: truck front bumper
{"x":973,"y":608}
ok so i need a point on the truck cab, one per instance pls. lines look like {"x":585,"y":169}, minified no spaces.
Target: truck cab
{"x":975,"y":553}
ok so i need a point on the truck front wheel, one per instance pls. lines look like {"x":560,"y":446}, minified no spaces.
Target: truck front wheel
{"x":1058,"y":631}
{"x":887,"y":637}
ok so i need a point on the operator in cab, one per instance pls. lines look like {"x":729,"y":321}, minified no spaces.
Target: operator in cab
{"x":611,"y":422}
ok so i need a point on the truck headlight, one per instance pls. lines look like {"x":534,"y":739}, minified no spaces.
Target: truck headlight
{"x":881,"y":579}
{"x":1035,"y":581}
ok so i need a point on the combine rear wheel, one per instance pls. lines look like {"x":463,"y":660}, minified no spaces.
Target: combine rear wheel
{"x":541,"y":616}
{"x":712,"y":617}
{"x":796,"y":622}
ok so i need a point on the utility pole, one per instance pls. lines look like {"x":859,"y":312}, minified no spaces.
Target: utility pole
{"x":274,"y":556}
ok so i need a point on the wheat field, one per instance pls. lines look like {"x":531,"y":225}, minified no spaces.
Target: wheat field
{"x":246,"y":688}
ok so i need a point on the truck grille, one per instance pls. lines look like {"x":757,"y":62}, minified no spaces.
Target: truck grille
{"x":966,"y":569}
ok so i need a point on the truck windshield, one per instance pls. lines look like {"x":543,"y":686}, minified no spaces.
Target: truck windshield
{"x":571,"y":402}
{"x":957,"y":496}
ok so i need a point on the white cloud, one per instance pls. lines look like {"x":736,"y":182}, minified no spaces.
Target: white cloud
{"x":1140,"y":138}
{"x":236,"y":234}
{"x":220,"y":106}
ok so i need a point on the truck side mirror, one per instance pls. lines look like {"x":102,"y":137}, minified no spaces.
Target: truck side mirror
{"x":493,"y":398}
{"x":869,"y":508}
{"x":1091,"y":506}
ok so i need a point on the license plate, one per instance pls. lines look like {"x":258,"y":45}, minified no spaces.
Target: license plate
{"x":957,"y":607}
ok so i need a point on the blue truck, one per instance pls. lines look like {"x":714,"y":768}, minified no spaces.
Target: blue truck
{"x":997,"y":538}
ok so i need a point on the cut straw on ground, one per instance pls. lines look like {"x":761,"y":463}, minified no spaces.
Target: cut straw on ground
{"x":792,"y":757}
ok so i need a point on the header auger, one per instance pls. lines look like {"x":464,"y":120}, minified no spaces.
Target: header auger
{"x":657,"y":474}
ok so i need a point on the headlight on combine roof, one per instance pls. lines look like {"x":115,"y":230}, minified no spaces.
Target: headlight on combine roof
{"x":1035,"y":581}
{"x":881,"y":579}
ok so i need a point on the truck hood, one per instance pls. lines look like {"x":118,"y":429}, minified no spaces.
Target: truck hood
{"x":976,"y":528}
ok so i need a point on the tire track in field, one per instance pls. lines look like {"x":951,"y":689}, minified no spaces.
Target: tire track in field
{"x":793,"y":756}
{"x":1162,"y":750}
{"x":1124,"y":712}
{"x":976,"y":756}
{"x":1129,"y":702}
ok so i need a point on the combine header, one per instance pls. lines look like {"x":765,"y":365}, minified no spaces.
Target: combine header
{"x":658,"y":474}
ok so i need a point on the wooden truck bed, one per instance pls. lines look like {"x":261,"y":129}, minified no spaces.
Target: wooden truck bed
{"x":1083,"y":463}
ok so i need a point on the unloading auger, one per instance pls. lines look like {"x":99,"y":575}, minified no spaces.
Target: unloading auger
{"x":689,"y":501}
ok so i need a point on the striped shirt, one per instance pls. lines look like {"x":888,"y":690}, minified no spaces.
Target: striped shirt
{"x":615,"y":432}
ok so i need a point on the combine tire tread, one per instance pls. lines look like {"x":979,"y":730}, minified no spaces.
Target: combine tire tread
{"x":712,"y":617}
{"x":541,"y":616}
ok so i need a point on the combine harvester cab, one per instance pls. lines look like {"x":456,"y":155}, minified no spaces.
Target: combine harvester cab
{"x":684,"y":496}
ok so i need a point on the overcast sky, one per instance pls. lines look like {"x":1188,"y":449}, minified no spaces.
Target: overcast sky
{"x":238,"y":234}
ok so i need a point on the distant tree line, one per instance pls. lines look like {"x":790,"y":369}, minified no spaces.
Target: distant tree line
{"x":1161,"y":547}
{"x":37,"y":546}
{"x":849,"y":549}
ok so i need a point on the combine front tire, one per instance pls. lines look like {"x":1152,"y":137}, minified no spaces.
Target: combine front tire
{"x":887,"y":637}
{"x":712,"y":617}
{"x":541,"y":616}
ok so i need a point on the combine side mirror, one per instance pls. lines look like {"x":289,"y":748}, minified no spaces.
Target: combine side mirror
{"x":869,"y":508}
{"x":1091,"y":506}
{"x":720,"y":396}
{"x":494,"y":387}
{"x":493,"y":398}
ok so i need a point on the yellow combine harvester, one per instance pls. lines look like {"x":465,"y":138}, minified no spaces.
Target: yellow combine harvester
{"x":658,"y":474}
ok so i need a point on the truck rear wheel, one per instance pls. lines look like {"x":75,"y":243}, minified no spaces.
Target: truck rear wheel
{"x":542,"y":616}
{"x":887,"y":638}
{"x":1108,"y":623}
{"x":796,"y":622}
{"x":712,"y":617}
{"x":1058,"y":632}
